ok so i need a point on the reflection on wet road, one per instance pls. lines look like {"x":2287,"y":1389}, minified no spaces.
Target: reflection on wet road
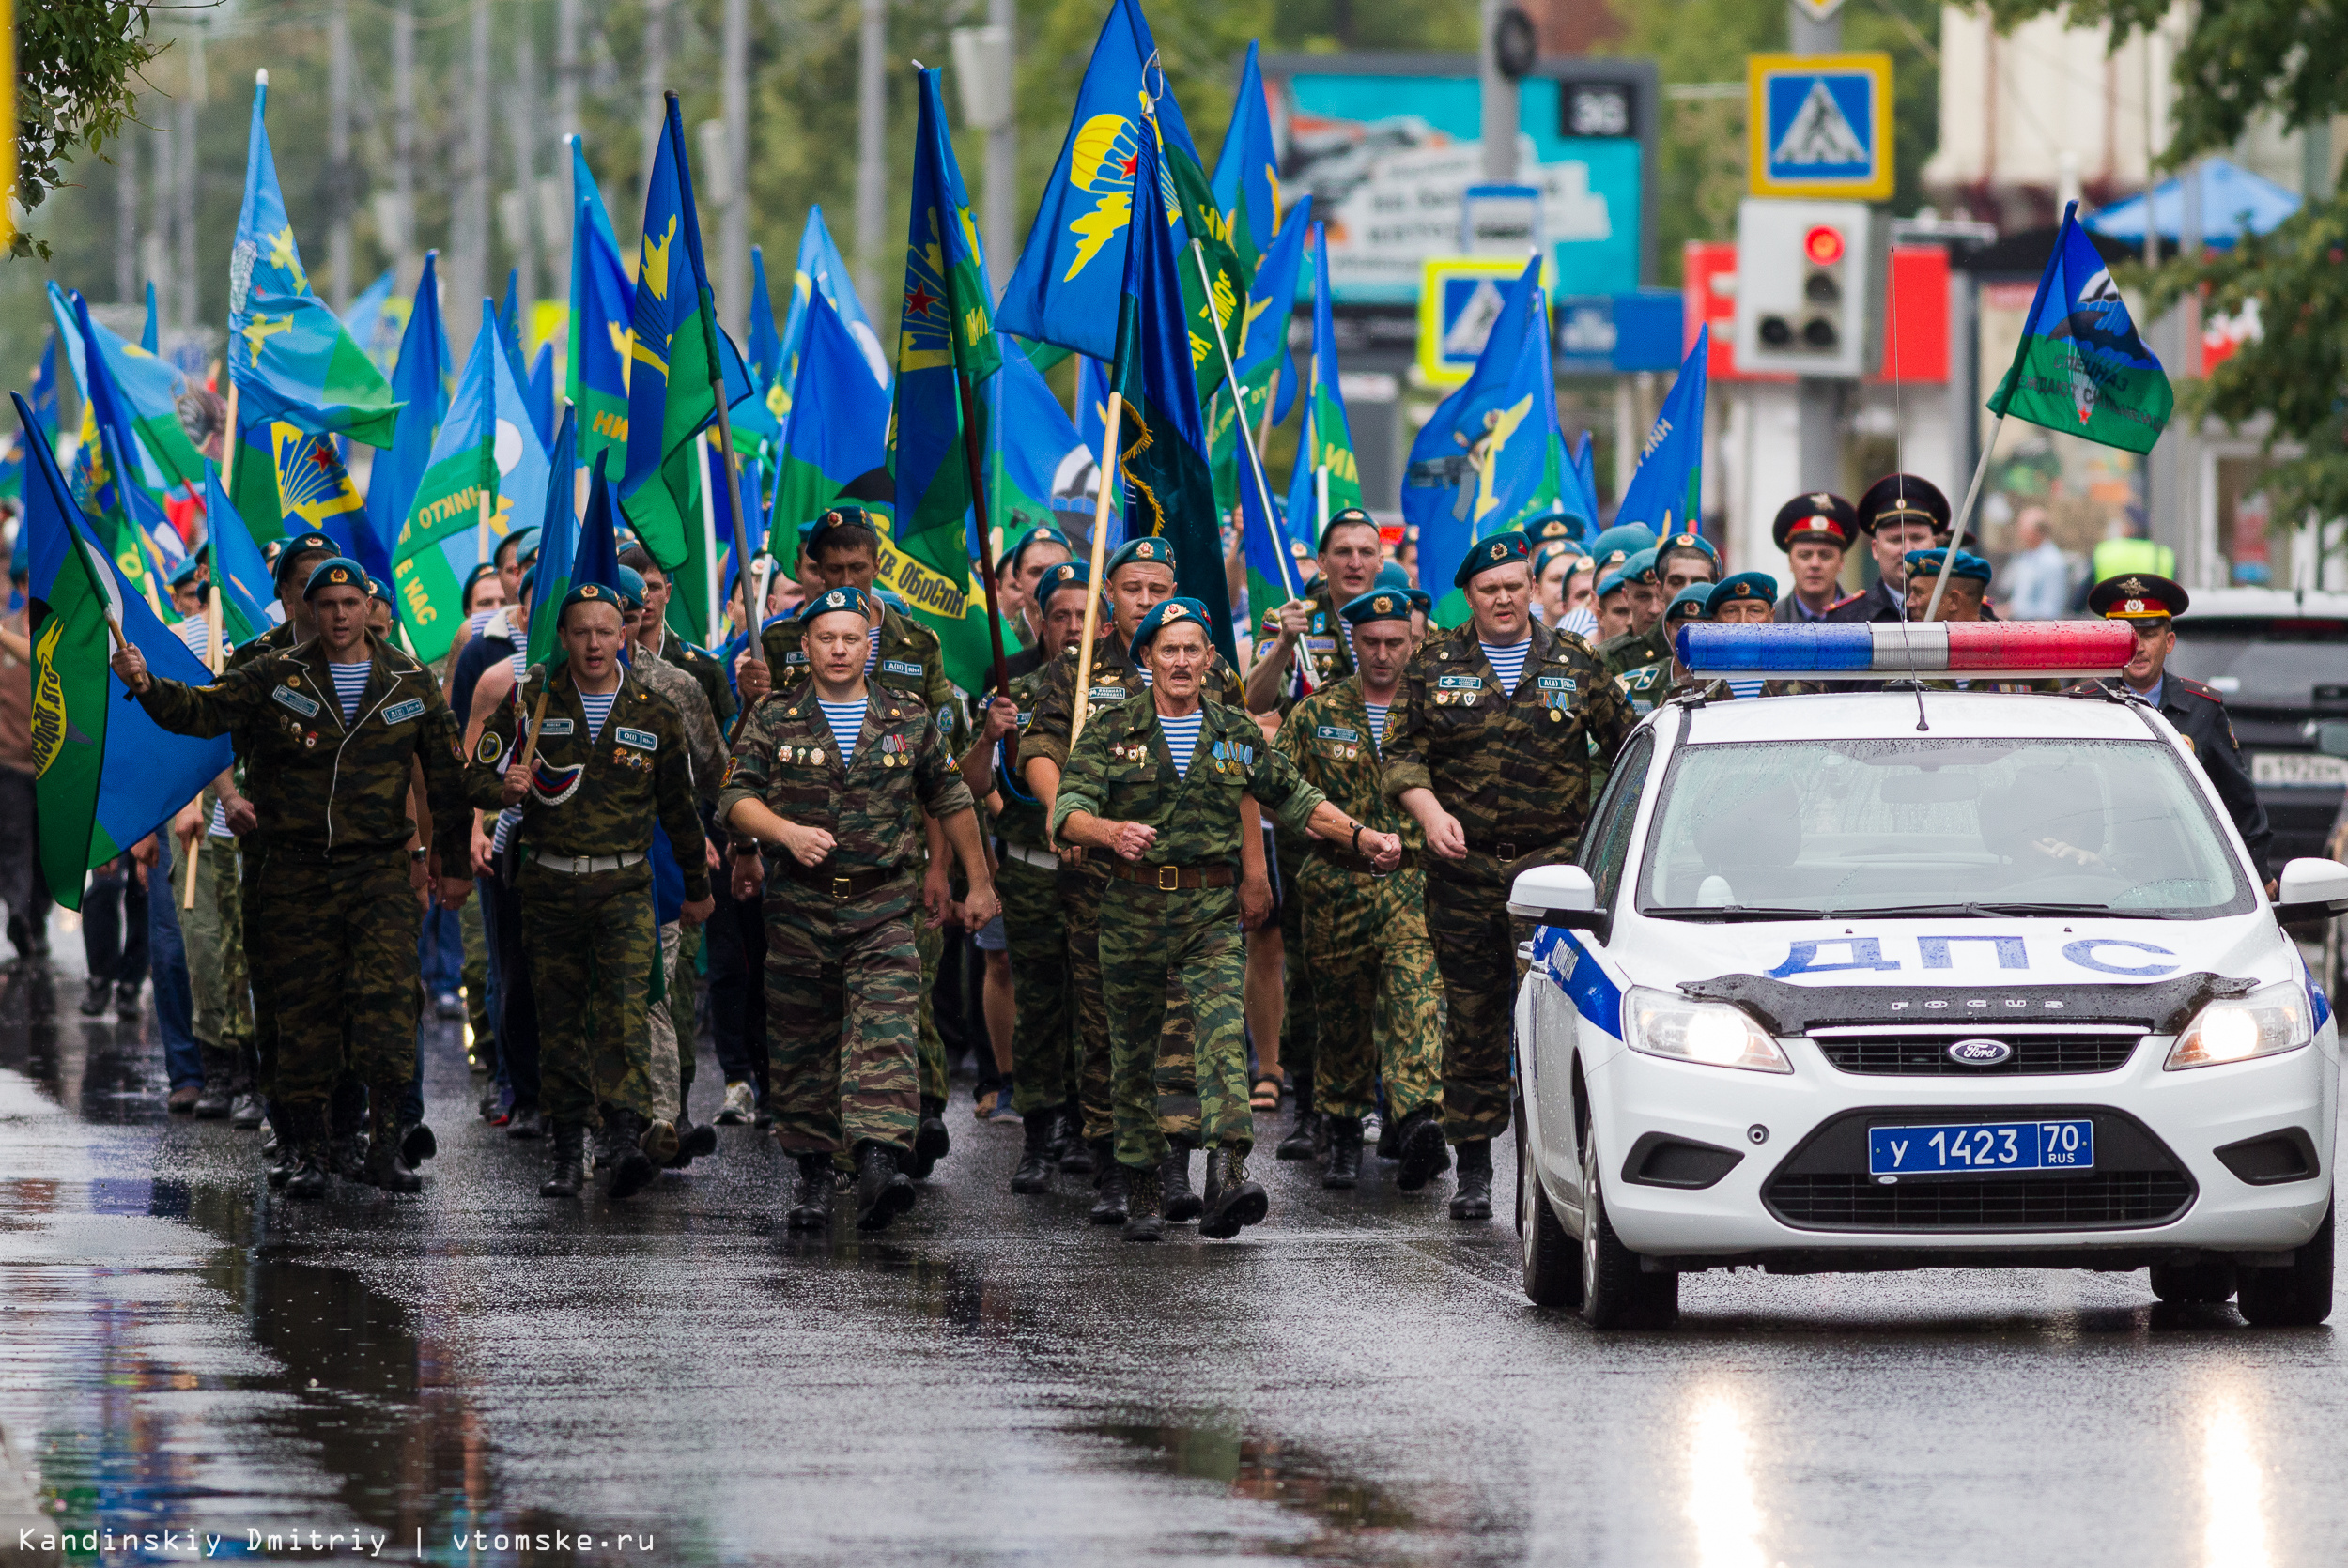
{"x":1357,"y":1381}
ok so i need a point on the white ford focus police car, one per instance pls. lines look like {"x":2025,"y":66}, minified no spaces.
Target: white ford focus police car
{"x":1907,"y":979}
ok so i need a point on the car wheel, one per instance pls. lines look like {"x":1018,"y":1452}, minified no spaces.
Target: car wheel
{"x":1553,"y":1265}
{"x":1616,"y":1292}
{"x":2194,"y":1283}
{"x":2295,"y":1295}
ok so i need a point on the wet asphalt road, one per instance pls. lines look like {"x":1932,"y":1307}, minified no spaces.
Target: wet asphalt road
{"x":1359,"y":1380}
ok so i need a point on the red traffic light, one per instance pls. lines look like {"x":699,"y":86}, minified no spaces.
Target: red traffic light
{"x":1823,"y":245}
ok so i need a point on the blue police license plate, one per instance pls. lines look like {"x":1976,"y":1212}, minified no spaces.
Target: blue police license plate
{"x":1977,"y":1147}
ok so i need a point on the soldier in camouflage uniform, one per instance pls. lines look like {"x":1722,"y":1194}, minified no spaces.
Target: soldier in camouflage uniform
{"x":1156,"y":787}
{"x":653,"y":637}
{"x":906,"y":659}
{"x":331,"y":786}
{"x":1646,"y":643}
{"x":1372,"y":968}
{"x":832,"y":781}
{"x":1140,"y":576}
{"x":611,"y":755}
{"x":1497,"y":772}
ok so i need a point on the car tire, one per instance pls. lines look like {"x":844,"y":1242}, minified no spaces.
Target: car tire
{"x":1617,"y":1291}
{"x":2296,"y":1295}
{"x":2194,"y":1283}
{"x":1552,"y":1263}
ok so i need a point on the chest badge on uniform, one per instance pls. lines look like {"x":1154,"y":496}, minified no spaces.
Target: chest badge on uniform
{"x":400,"y":712}
{"x":816,"y":755}
{"x":306,"y":706}
{"x":553,"y":727}
{"x":642,"y":739}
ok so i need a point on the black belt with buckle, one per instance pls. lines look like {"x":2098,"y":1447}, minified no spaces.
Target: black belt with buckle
{"x":1170,"y":879}
{"x":849,"y":885}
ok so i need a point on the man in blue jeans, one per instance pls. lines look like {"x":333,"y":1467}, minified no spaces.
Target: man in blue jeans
{"x":168,"y":964}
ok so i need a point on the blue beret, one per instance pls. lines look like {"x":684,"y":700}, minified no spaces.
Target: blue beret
{"x":1555,"y":527}
{"x":1640,"y":567}
{"x":524,"y":540}
{"x":1149,"y":549}
{"x":1691,"y":603}
{"x":832,"y":599}
{"x":1551,"y":552}
{"x":306,"y":544}
{"x":1378,"y":604}
{"x":1743,"y":585}
{"x":1968,"y":564}
{"x":632,"y":587}
{"x":1352,"y":517}
{"x":1391,"y":575}
{"x":1034,"y":536}
{"x":1165,"y":612}
{"x":1424,"y":600}
{"x":1486,"y":554}
{"x":890,"y":599}
{"x":185,"y":571}
{"x":334,"y":572}
{"x":378,"y":588}
{"x":589,"y":593}
{"x":1620,"y":543}
{"x":1611,"y":581}
{"x":1687,"y":541}
{"x":1060,"y":575}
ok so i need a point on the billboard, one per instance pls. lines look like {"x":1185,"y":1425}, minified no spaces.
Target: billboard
{"x":1388,"y":145}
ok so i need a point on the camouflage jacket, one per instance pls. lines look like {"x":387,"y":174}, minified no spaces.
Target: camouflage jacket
{"x":1122,"y":771}
{"x":596,"y":796}
{"x":911,"y":667}
{"x":1114,"y":680}
{"x":787,"y":758}
{"x":707,"y":671}
{"x":1325,"y":640}
{"x":1328,"y":737}
{"x":703,"y":744}
{"x":277,"y":639}
{"x":1513,"y":768}
{"x":1021,"y":820}
{"x":317,"y":783}
{"x":1635,"y":650}
{"x":1645,"y":686}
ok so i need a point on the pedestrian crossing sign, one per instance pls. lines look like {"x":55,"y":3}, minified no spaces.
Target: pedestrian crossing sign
{"x":1459,"y":300}
{"x":1819,"y":125}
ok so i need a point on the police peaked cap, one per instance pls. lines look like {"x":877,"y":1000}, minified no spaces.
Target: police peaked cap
{"x":1166,"y":612}
{"x":1899,"y":497}
{"x":1378,"y":604}
{"x":333,"y":571}
{"x":1928,"y":561}
{"x":307,"y":544}
{"x":832,"y":600}
{"x":1691,"y":603}
{"x":1149,"y":549}
{"x":2139,"y":596}
{"x":1821,"y":516}
{"x":1487,"y":554}
{"x":1060,"y":575}
{"x":1744,"y":585}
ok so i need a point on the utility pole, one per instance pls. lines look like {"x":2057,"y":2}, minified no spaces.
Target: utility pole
{"x":402,"y":242}
{"x":522,"y":121}
{"x":1003,"y":150}
{"x":338,"y":169}
{"x":187,"y":306}
{"x":733,"y":233}
{"x":872,"y":152}
{"x":982,"y":72}
{"x":471,"y":225}
{"x":155,"y":248}
{"x":566,"y":24}
{"x":1498,"y":95}
{"x":655,"y":87}
{"x":127,"y":220}
{"x":1815,"y":28}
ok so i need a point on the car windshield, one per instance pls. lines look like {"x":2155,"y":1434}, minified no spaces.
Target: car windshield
{"x":1797,"y":829}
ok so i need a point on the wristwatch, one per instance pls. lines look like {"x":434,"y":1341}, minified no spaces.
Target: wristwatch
{"x":418,"y":856}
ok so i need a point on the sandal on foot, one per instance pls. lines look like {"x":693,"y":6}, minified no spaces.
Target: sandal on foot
{"x":1266,"y":1095}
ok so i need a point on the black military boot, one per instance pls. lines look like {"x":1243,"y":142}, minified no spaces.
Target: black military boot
{"x":883,"y":1191}
{"x":1143,"y":1219}
{"x":220,"y":1071}
{"x":1472,"y":1198}
{"x":278,"y":1157}
{"x":1074,"y":1155}
{"x":385,"y":1169}
{"x":304,"y":1143}
{"x":1419,"y":1142}
{"x":1232,"y":1200}
{"x":418,"y":1145}
{"x":659,"y":1142}
{"x":1034,"y":1173}
{"x":632,"y":1169}
{"x":930,"y":1140}
{"x":570,"y":1174}
{"x":1389,"y":1134}
{"x":1108,"y":1184}
{"x":1345,"y":1154}
{"x":694,"y":1141}
{"x":246,"y":1111}
{"x":810,"y":1193}
{"x":1176,"y":1201}
{"x":1306,"y":1137}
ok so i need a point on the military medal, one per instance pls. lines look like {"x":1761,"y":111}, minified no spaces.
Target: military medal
{"x":816,"y":755}
{"x":1556,"y":715}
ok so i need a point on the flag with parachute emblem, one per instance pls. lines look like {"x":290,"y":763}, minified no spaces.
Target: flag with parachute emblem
{"x":316,"y":492}
{"x":603,"y":307}
{"x":126,"y":516}
{"x":2081,"y":368}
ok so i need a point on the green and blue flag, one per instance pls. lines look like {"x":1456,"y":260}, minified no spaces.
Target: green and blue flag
{"x":420,"y":379}
{"x":603,"y":306}
{"x":839,"y":426}
{"x":247,"y":592}
{"x":1325,"y":479}
{"x":2081,"y":368}
{"x":44,"y":406}
{"x":1665,"y":491}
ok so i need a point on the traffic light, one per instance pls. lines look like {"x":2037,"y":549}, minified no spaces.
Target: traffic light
{"x":1807,"y":285}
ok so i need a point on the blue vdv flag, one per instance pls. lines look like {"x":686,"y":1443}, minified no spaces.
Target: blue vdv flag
{"x":539,"y":393}
{"x":264,"y":254}
{"x":603,"y":303}
{"x":598,"y":558}
{"x":1585,"y":479}
{"x":1665,"y":490}
{"x":838,"y":424}
{"x":1065,"y":288}
{"x":765,"y":349}
{"x":821,"y":270}
{"x":44,"y":408}
{"x":558,"y":547}
{"x":1269,"y":302}
{"x":420,"y":379}
{"x":1437,"y":486}
{"x":371,"y":323}
{"x":247,"y":592}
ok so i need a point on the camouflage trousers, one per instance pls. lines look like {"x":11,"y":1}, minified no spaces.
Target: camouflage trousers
{"x":1167,"y":958}
{"x":214,"y":933}
{"x":1467,"y":921}
{"x":340,"y":941}
{"x":1080,"y":887}
{"x":1300,"y":1036}
{"x":929,"y":944}
{"x":671,"y":1059}
{"x":475,"y":977}
{"x":1044,"y":1054}
{"x":844,"y":978}
{"x":260,"y":967}
{"x":592,"y":947}
{"x":1372,"y":972}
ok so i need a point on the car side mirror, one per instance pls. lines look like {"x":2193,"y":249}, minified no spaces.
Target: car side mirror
{"x":2331,"y":737}
{"x":2311,"y":889}
{"x":1557,"y":896}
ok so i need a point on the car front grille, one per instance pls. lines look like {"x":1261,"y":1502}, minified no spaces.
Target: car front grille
{"x":1927,"y":1055}
{"x":2094,"y":1200}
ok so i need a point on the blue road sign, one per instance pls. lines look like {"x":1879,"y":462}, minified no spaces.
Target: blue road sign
{"x":1820,"y":126}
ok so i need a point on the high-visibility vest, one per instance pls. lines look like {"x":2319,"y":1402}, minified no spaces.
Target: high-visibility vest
{"x":2116,"y":556}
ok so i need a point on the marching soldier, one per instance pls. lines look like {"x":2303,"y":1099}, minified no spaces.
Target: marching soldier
{"x":1899,"y":514}
{"x":655,"y":638}
{"x":2149,"y":604}
{"x":833,"y":781}
{"x":334,"y":731}
{"x":609,"y":756}
{"x":1140,"y":576}
{"x":1157,"y":786}
{"x":1500,"y":724}
{"x":1643,"y":643}
{"x":1366,"y":951}
{"x":303,"y":554}
{"x":1815,"y":531}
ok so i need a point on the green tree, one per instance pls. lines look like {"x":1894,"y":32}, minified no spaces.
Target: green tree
{"x":76,"y":65}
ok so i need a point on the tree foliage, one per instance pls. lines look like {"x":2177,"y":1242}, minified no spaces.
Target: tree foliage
{"x":77,"y":63}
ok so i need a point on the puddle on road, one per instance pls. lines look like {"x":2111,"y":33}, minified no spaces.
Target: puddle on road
{"x":1277,"y":1470}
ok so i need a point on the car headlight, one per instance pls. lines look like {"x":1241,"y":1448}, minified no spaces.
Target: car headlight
{"x":1713,"y":1033}
{"x":2267,"y":1022}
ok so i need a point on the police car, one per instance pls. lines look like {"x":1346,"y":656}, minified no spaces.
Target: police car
{"x":1907,"y":979}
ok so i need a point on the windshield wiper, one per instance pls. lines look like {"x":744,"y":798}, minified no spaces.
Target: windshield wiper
{"x":1730,"y":914}
{"x":1994,"y":911}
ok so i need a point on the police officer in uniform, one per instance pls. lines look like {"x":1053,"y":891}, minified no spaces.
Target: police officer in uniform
{"x":1500,"y":724}
{"x":2150,"y":604}
{"x":1815,"y":531}
{"x":1898,"y":514}
{"x":334,"y":731}
{"x":834,"y":780}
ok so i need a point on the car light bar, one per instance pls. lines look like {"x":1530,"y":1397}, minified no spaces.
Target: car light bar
{"x":1853,"y":649}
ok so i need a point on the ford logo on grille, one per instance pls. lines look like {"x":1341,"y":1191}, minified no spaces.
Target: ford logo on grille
{"x":1980,"y":1053}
